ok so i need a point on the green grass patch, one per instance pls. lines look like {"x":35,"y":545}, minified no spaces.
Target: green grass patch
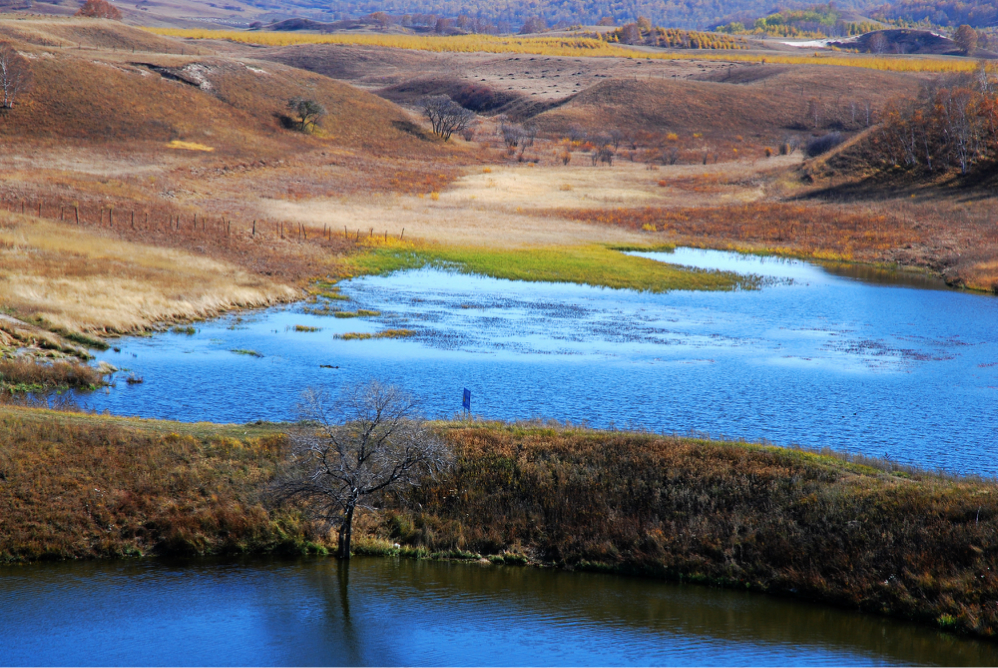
{"x":86,"y":340}
{"x":188,"y":331}
{"x":306,"y":328}
{"x":327,"y":290}
{"x":600,"y":266}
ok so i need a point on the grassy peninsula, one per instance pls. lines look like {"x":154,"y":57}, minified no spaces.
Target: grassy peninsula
{"x":596,"y":265}
{"x":863,"y":534}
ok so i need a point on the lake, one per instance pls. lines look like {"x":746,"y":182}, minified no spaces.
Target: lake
{"x":888,"y":366}
{"x":319,"y":611}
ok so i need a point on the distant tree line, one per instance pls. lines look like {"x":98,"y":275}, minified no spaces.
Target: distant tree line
{"x":976,"y":13}
{"x":690,"y":14}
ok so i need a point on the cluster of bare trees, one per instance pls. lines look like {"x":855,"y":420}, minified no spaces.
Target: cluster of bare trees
{"x":446,"y":116}
{"x":516,"y":137}
{"x":602,"y":146}
{"x":15,"y":76}
{"x":944,"y":126}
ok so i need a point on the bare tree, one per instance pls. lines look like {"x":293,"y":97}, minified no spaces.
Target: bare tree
{"x":381,"y":444}
{"x":878,"y":43}
{"x":512,"y":135}
{"x":15,"y":76}
{"x":308,"y":112}
{"x":576,"y":132}
{"x":445,"y":115}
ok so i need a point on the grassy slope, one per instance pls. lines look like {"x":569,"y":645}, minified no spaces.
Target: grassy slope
{"x":894,"y":541}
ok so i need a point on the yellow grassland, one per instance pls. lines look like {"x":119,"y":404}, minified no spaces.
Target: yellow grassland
{"x":567,"y":46}
{"x":85,"y":280}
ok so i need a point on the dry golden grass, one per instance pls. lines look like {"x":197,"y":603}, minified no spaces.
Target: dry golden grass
{"x":572,"y":46}
{"x":84,"y":280}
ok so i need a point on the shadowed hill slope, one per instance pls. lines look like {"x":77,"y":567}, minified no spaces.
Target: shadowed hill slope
{"x":759,"y":100}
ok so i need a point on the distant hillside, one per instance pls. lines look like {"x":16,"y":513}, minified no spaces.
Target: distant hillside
{"x":975,"y":13}
{"x":147,"y":95}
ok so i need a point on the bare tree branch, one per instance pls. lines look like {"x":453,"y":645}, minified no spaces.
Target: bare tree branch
{"x":381,"y":443}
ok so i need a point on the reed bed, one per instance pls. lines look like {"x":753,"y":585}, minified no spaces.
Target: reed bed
{"x":84,"y":487}
{"x":817,"y":231}
{"x":863,"y":534}
{"x":568,"y":46}
{"x":19,"y":375}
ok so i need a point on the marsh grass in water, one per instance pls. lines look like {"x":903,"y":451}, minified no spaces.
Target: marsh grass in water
{"x":386,"y":334}
{"x":189,"y":331}
{"x":250,"y":353}
{"x":599,"y":266}
{"x":306,"y":328}
{"x":359,"y":313}
{"x":326,"y":290}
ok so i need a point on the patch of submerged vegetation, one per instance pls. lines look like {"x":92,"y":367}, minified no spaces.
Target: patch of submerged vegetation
{"x":860,"y":533}
{"x":600,"y":266}
{"x":326,"y":290}
{"x":385,"y":334}
{"x":188,"y":331}
{"x":30,"y":375}
{"x":251,"y":353}
{"x":359,"y":313}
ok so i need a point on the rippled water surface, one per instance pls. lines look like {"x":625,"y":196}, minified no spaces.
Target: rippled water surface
{"x":387,"y":612}
{"x":880,"y":366}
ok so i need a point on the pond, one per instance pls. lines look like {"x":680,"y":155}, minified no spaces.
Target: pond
{"x":399,"y":612}
{"x":886,"y":366}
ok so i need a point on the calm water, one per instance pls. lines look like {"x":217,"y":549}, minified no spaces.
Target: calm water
{"x":388,"y":612}
{"x":813,"y":358}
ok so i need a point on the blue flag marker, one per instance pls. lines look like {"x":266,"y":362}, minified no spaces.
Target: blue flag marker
{"x":466,"y":401}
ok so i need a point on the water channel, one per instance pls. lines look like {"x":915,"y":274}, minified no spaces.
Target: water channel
{"x":401,"y":612}
{"x":849,"y":358}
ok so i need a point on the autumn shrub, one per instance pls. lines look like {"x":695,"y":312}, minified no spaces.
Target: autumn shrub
{"x":31,"y":375}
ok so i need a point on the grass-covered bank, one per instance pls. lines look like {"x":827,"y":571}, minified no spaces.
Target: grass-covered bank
{"x":595,"y":265}
{"x":865,"y":535}
{"x":84,"y":486}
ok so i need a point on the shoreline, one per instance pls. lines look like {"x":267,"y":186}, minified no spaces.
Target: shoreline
{"x":738,"y":515}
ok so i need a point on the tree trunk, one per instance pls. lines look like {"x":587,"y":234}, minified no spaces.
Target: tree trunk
{"x":346,"y":533}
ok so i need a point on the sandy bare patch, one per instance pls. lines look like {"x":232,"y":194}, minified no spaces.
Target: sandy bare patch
{"x":492,"y":206}
{"x":443,"y":221}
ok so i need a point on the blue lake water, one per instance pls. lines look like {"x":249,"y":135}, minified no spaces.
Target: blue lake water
{"x":872,"y":366}
{"x":320,"y":611}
